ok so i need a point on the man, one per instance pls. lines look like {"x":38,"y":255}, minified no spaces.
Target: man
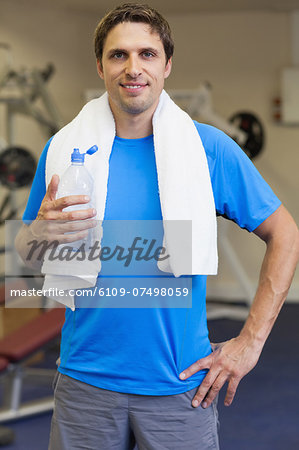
{"x":138,"y":376}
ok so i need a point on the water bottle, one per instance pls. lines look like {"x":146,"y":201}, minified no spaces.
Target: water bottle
{"x":77,"y":180}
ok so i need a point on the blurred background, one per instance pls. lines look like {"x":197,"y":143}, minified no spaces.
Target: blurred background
{"x":247,"y":53}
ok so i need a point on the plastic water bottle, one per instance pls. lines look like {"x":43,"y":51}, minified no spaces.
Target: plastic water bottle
{"x":77,"y":180}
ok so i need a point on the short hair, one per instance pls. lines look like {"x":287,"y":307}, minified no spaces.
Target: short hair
{"x":133,"y":12}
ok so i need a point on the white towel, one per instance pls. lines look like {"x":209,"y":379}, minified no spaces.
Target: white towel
{"x":183,"y":178}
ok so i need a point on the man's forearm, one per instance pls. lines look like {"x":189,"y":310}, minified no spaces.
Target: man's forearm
{"x":276,"y":274}
{"x":23,"y":238}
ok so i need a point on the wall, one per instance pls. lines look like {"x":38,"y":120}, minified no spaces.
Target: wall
{"x":240,"y":54}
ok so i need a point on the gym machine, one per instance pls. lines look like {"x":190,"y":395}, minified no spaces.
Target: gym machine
{"x":20,"y":91}
{"x":244,"y":127}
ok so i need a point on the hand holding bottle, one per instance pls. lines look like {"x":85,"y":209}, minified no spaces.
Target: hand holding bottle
{"x":68,"y":204}
{"x":54,"y":222}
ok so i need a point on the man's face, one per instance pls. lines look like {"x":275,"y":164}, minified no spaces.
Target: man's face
{"x":133,"y":67}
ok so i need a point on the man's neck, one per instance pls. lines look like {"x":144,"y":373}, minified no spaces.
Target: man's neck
{"x":133,"y":126}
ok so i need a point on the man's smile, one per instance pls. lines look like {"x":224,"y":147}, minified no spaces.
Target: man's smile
{"x":133,"y":87}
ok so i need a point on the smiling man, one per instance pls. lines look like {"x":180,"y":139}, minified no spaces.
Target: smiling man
{"x":133,"y":72}
{"x":149,"y":377}
{"x":134,"y":65}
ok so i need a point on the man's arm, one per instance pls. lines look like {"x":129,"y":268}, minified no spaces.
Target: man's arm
{"x":231,"y":360}
{"x":52,"y":223}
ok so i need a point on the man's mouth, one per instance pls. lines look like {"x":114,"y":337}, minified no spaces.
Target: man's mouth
{"x":133,"y":87}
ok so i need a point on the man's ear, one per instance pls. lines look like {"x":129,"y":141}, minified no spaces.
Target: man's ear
{"x":100,"y":69}
{"x":168,"y":68}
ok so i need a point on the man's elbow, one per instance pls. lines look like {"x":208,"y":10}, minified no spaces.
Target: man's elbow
{"x":279,"y":227}
{"x":286,"y":237}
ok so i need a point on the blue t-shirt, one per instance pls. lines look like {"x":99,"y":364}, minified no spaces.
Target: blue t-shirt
{"x":143,"y":350}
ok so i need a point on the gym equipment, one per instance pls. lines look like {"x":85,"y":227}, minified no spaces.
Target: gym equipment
{"x":15,"y":349}
{"x":244,"y":127}
{"x":20,"y":91}
{"x":252,"y":126}
{"x":17,"y":167}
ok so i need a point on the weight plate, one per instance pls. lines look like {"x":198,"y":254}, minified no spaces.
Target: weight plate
{"x":17,"y":167}
{"x":252,"y":126}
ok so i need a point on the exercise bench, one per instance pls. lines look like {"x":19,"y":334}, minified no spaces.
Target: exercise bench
{"x":15,"y":350}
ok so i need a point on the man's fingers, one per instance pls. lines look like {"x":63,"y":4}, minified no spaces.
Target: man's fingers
{"x":71,"y":237}
{"x":52,"y":187}
{"x":70,"y":200}
{"x":229,"y":361}
{"x":55,"y":230}
{"x":62,"y":202}
{"x":231,"y":391}
{"x":68,"y":216}
{"x":70,"y":227}
{"x":204,"y":388}
{"x":59,"y":228}
{"x":212,"y":392}
{"x":204,"y":363}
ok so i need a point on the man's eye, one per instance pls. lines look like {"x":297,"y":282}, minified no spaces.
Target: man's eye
{"x":118,"y":55}
{"x":148,"y":54}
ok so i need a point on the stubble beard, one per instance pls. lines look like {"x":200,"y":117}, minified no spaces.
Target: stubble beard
{"x":135,"y":105}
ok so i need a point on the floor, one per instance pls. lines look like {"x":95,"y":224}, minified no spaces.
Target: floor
{"x":265,"y":412}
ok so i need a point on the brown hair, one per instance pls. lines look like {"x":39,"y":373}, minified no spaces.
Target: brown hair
{"x":133,"y":12}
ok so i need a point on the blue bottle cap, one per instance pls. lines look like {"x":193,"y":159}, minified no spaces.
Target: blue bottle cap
{"x":92,"y":150}
{"x":79,"y":157}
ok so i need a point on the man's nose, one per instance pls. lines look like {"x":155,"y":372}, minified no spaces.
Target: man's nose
{"x":133,"y":68}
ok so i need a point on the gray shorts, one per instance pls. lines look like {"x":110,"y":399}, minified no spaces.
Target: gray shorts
{"x":89,"y":418}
